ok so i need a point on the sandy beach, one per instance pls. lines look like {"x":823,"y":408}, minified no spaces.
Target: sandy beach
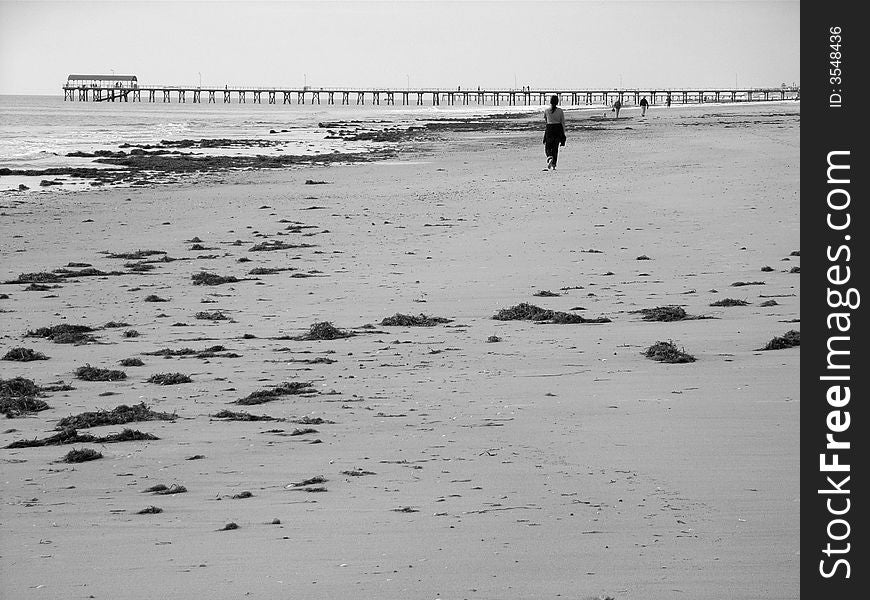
{"x":475,"y":458}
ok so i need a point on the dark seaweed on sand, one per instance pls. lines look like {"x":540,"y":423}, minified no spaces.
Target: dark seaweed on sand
{"x":668,"y":352}
{"x":730,"y":302}
{"x":82,"y":455}
{"x":767,"y":303}
{"x":113,"y":324}
{"x":530,"y":312}
{"x":242,"y":416}
{"x":151,"y":510}
{"x":229,"y":527}
{"x":421,"y":320}
{"x":546,"y":294}
{"x":358,"y":472}
{"x":139,"y":267}
{"x":206,"y":278}
{"x":89,"y":373}
{"x":269,"y":246}
{"x":312,"y":421}
{"x":56,"y":387}
{"x":324,"y":330}
{"x":285,"y":389}
{"x":18,"y":397}
{"x":666,"y":314}
{"x":209,"y":352}
{"x":267,"y":270}
{"x":303,"y":431}
{"x":18,"y":387}
{"x":320,"y":360}
{"x":127,"y":435}
{"x":71,"y":436}
{"x":161,"y":490}
{"x":211,"y":316}
{"x":169,"y":378}
{"x":18,"y":406}
{"x":131,"y":362}
{"x":790,"y":339}
{"x":89,"y":272}
{"x":167,"y":352}
{"x":131,"y":333}
{"x":744,"y":283}
{"x":64,"y":334}
{"x":42,"y":277}
{"x":154,"y":298}
{"x":311,"y":481}
{"x":38,"y":287}
{"x":136,"y":255}
{"x":24,"y":355}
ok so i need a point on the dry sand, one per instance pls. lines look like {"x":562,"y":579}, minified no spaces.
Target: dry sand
{"x":558,"y":462}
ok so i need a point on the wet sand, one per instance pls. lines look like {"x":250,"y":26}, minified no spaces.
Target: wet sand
{"x":556,"y":462}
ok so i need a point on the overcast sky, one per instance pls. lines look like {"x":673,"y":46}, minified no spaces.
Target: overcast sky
{"x":546,"y":43}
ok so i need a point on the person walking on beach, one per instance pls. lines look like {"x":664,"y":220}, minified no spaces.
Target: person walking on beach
{"x":669,"y":101}
{"x":554,"y":135}
{"x":643,"y":106}
{"x":616,"y":106}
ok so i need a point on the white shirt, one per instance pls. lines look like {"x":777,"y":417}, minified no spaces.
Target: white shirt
{"x":556,"y":116}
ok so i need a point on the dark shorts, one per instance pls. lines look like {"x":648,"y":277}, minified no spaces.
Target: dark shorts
{"x":554,"y":136}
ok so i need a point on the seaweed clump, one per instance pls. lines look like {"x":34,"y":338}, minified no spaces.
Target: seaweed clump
{"x":24,"y":355}
{"x":41,"y":277}
{"x":89,"y":373}
{"x":119,"y":415}
{"x":668,"y":352}
{"x":18,"y":397}
{"x":789,"y":340}
{"x":229,"y":415}
{"x":530,"y":312}
{"x":324,"y":330}
{"x":421,"y":320}
{"x":64,"y":334}
{"x":730,"y":302}
{"x":664,"y":313}
{"x":206,"y":278}
{"x":169,"y":378}
{"x":270,"y":246}
{"x":70,"y":436}
{"x":82,"y":455}
{"x":136,"y":255}
{"x":285,"y":389}
{"x":211,"y":316}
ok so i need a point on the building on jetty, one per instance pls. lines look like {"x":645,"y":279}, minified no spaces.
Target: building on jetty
{"x":126,"y":88}
{"x":100,"y":87}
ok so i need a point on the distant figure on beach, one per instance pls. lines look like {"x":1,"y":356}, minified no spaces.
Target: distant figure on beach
{"x":554,"y":135}
{"x":668,"y":101}
{"x":616,"y":106}
{"x":643,"y":106}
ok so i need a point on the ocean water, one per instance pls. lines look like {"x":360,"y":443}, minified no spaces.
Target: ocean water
{"x":37,"y":132}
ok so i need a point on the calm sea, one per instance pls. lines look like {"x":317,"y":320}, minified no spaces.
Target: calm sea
{"x":37,"y":132}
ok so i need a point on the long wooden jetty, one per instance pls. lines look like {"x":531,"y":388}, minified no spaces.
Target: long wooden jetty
{"x":126,"y":88}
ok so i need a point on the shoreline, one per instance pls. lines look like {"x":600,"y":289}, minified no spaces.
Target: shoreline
{"x":559,"y":451}
{"x":140,"y":163}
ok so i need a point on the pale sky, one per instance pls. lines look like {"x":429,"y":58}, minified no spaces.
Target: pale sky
{"x":544,"y":43}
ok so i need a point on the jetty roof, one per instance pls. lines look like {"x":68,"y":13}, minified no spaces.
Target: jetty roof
{"x":102,"y":78}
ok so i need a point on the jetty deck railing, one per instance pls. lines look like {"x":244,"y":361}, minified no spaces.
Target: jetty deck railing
{"x":407,"y":96}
